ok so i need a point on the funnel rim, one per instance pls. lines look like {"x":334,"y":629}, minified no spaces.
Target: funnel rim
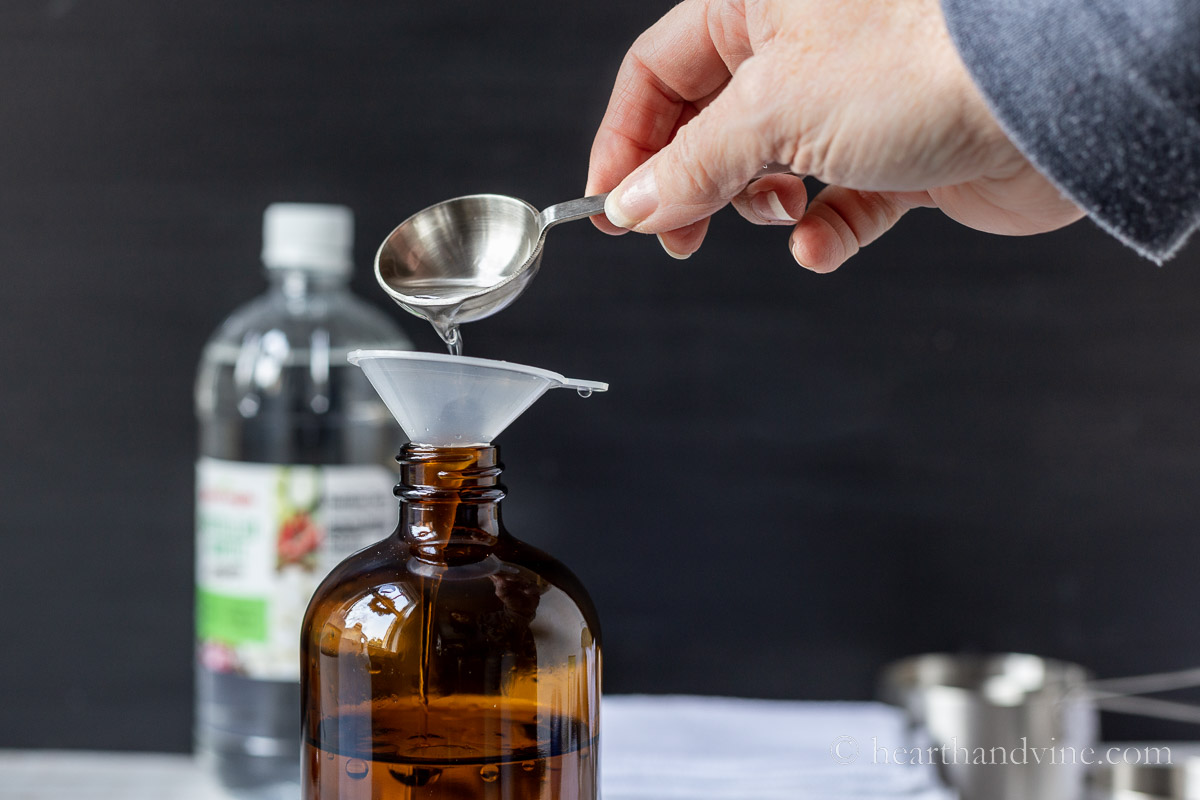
{"x":560,"y":380}
{"x":416,"y":302}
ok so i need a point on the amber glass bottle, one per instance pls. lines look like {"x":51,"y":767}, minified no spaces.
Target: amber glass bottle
{"x":450,"y":660}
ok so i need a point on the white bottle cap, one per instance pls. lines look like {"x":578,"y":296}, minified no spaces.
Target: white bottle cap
{"x":308,"y":236}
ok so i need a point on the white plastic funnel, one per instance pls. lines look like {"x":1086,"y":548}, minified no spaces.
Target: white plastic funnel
{"x":448,"y":401}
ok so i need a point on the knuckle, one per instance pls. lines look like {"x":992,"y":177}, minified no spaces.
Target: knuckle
{"x":874,"y":207}
{"x":877,"y":213}
{"x":802,"y":158}
{"x":756,"y":83}
{"x":768,"y":104}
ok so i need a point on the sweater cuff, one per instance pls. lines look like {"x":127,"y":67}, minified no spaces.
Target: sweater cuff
{"x":1103,"y":98}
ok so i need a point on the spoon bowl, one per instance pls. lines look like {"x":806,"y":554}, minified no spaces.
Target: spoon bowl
{"x":467,"y":258}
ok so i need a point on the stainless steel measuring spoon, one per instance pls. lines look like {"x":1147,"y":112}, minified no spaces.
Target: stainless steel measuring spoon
{"x":467,"y":258}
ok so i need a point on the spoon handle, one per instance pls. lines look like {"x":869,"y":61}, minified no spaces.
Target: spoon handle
{"x":593,"y":205}
{"x":571,"y":210}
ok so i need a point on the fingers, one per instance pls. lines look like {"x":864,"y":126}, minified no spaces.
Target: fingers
{"x":838,"y":224}
{"x":601,"y":221}
{"x":710,"y":160}
{"x":671,"y":69}
{"x":774,"y":200}
{"x":841,"y":221}
{"x":684,"y":241}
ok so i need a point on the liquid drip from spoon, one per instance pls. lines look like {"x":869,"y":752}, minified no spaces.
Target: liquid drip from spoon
{"x":451,"y":335}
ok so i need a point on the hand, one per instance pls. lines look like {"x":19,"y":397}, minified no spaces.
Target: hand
{"x":868,"y":97}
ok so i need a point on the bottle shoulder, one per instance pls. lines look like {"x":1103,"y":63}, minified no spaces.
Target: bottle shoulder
{"x":514,"y":580}
{"x":554,"y":572}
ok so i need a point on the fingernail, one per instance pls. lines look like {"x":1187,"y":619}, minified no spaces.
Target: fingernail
{"x":767,"y":207}
{"x":672,"y":253}
{"x":627,"y":207}
{"x":794,"y":246}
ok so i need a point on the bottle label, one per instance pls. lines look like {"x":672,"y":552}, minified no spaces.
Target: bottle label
{"x":266,"y":535}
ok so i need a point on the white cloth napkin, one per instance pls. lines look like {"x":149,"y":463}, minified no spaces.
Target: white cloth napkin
{"x":702,"y":748}
{"x":653,"y":748}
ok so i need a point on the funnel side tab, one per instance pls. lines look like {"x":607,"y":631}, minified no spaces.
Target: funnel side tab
{"x":577,"y":383}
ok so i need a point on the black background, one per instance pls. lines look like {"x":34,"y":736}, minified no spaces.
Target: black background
{"x":958,"y":441}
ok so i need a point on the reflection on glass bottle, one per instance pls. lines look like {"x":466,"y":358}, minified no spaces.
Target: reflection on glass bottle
{"x":450,"y":660}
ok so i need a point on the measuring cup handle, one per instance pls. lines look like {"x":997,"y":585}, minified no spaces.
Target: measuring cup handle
{"x":572,"y":210}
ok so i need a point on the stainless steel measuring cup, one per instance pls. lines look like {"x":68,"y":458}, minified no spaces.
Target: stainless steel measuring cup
{"x":1175,"y":777}
{"x":981,"y":710}
{"x":467,"y":258}
{"x":1009,"y":727}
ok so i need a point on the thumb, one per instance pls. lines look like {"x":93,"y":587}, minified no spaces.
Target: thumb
{"x":710,"y":160}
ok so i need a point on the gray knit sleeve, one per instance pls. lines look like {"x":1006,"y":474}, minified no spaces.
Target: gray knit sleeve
{"x":1103,"y":96}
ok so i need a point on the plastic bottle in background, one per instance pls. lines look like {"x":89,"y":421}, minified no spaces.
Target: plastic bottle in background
{"x":295,"y":472}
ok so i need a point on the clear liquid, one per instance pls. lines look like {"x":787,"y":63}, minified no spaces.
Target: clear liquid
{"x":287,"y":412}
{"x":443,"y":291}
{"x":441,"y":299}
{"x":452,"y":335}
{"x":290,"y":412}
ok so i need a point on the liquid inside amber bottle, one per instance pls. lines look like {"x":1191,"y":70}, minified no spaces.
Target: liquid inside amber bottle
{"x":450,"y":660}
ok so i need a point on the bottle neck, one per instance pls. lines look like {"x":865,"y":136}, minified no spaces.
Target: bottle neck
{"x":450,"y":500}
{"x":299,"y":283}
